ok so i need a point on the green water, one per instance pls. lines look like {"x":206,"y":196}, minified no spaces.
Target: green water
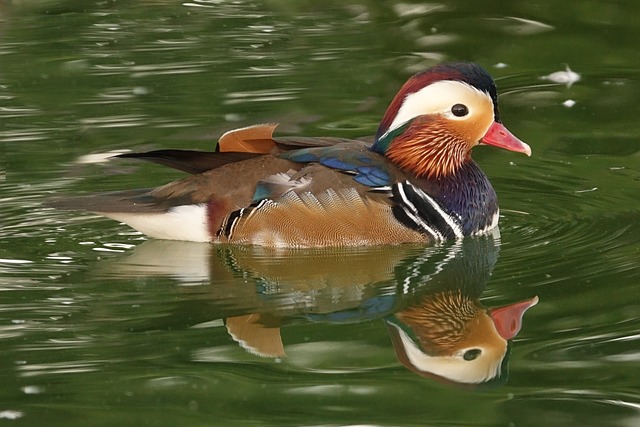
{"x":100,"y":327}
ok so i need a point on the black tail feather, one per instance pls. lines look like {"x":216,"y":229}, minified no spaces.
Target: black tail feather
{"x":190,"y":161}
{"x":117,"y":201}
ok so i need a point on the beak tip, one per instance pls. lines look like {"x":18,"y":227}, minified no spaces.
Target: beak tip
{"x":498,"y":135}
{"x":508,"y":319}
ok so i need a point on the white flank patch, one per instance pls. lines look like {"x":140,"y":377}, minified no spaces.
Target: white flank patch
{"x":438,"y":98}
{"x":186,"y":222}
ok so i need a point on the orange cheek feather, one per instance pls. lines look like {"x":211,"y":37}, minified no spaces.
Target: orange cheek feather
{"x":433,"y":152}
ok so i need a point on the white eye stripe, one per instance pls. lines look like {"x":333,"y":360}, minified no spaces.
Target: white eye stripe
{"x":438,"y":98}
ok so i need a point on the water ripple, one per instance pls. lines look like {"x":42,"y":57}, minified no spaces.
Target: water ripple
{"x":129,"y":120}
{"x":71,"y":367}
{"x":263,"y":95}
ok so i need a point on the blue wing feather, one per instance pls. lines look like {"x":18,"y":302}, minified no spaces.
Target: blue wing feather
{"x":336,"y":163}
{"x":368,"y":167}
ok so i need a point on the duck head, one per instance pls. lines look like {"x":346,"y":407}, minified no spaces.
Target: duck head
{"x":452,"y":338}
{"x":438,"y":116}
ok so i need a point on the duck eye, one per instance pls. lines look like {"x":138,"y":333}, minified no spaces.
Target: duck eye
{"x":459,"y":110}
{"x":472,"y":354}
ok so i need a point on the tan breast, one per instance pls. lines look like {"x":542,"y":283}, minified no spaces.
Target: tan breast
{"x":333,"y":218}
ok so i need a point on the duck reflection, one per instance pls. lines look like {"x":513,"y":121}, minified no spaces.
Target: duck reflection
{"x":449,"y":336}
{"x":445,"y":333}
{"x":428,"y":297}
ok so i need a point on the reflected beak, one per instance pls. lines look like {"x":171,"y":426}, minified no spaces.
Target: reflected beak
{"x":500,"y":136}
{"x":508,"y":319}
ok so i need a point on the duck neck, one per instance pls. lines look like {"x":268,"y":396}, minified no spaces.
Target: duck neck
{"x":466,"y":194}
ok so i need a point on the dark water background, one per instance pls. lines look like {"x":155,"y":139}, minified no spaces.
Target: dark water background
{"x":99,"y":327}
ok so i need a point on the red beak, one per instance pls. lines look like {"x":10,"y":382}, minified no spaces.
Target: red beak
{"x":500,"y":136}
{"x":508,"y":319}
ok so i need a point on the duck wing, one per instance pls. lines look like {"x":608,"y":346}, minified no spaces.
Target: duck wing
{"x":190,"y":161}
{"x":234,"y":146}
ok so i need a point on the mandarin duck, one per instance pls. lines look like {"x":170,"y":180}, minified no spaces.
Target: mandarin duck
{"x":416,"y":182}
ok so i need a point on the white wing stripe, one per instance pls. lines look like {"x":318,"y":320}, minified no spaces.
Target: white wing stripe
{"x":448,"y":218}
{"x":415,"y":215}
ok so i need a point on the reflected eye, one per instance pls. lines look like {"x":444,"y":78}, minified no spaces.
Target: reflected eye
{"x":459,"y":110}
{"x":472,"y":354}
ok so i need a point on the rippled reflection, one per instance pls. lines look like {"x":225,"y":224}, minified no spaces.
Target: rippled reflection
{"x":451,"y":337}
{"x":427,"y":296}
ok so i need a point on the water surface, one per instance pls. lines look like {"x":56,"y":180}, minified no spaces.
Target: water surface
{"x":99,"y":324}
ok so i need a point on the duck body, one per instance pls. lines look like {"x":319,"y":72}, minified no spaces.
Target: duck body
{"x":415,"y":183}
